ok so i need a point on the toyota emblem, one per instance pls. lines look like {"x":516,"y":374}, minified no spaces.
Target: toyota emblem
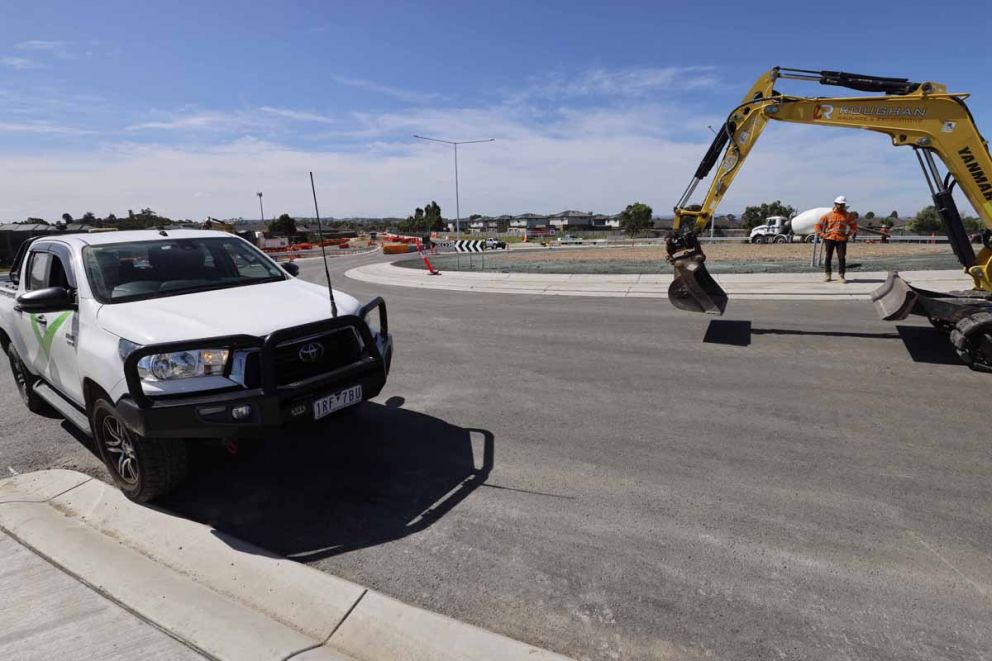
{"x":311,"y":352}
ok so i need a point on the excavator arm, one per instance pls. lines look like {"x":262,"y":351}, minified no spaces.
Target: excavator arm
{"x":921,"y":116}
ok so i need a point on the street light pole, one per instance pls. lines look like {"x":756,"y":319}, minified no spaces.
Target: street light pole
{"x":458,"y":208}
{"x":260,"y":209}
{"x":455,"y":143}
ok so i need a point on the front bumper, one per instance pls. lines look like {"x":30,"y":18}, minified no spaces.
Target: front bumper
{"x":208,"y":415}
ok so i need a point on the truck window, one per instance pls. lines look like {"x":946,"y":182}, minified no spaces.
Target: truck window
{"x":38,"y":271}
{"x":57,"y":276}
{"x":171,"y":267}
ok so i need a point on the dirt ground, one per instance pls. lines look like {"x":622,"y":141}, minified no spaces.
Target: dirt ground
{"x":721,"y":258}
{"x":733,"y":252}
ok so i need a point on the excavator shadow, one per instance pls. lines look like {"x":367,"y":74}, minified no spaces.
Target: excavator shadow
{"x":928,"y":345}
{"x":924,"y":344}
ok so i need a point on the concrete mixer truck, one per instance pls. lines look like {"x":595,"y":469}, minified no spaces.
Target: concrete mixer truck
{"x":779,"y":229}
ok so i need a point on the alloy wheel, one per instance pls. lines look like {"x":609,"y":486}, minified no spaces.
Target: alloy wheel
{"x":120,"y":449}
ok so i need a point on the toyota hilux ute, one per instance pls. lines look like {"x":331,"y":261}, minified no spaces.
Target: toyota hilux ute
{"x":148,"y":339}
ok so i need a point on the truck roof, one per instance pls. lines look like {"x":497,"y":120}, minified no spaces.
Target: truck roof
{"x":131,"y":236}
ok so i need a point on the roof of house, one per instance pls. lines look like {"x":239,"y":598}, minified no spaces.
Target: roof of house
{"x":571,"y":213}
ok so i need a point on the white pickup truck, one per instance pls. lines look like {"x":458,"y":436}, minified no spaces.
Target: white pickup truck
{"x":148,"y":339}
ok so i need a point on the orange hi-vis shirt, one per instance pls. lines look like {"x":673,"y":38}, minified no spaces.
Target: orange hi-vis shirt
{"x":836,"y":225}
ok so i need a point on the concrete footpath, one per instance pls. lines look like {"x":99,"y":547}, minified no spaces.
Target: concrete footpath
{"x":754,"y":286}
{"x":85,"y":573}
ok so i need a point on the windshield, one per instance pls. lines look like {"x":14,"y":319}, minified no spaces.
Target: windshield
{"x":152,"y":269}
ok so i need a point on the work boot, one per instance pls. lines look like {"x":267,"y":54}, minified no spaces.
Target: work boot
{"x":827,"y":278}
{"x":843,"y":281}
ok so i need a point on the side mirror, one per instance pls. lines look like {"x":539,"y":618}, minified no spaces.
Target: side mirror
{"x":292,"y":268}
{"x":50,"y":299}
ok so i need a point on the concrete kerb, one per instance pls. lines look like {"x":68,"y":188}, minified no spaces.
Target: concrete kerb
{"x":753,"y":286}
{"x":219,"y":595}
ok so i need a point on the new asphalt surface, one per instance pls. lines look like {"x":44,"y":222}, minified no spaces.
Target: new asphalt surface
{"x":611,"y":478}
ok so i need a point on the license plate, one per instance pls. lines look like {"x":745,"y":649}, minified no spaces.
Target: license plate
{"x":337,"y":401}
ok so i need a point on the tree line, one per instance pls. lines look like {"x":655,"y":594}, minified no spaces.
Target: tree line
{"x":142,"y":219}
{"x":927,"y":220}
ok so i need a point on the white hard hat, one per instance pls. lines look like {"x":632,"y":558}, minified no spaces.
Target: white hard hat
{"x":841,"y":200}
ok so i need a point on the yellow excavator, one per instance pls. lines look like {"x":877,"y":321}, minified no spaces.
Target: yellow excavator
{"x":921,"y":116}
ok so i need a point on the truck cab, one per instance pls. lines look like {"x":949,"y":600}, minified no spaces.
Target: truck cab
{"x":776,"y":229}
{"x":149,"y":339}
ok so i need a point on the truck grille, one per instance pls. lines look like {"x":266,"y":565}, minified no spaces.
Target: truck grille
{"x":301,"y":359}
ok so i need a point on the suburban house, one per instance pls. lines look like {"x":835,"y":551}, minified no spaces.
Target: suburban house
{"x":529,"y":221}
{"x":489,"y":223}
{"x":572,"y":220}
{"x":603,"y":222}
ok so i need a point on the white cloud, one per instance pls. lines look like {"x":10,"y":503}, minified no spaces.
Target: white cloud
{"x":59,"y":49}
{"x":297,"y":115}
{"x":39,"y":44}
{"x":234,"y":122}
{"x":633,"y":82}
{"x":572,"y":160}
{"x":40,"y":127}
{"x":195,"y":121}
{"x":19,"y":63}
{"x":411,"y":96}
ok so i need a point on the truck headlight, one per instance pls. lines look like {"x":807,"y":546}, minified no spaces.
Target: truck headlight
{"x":183,"y":364}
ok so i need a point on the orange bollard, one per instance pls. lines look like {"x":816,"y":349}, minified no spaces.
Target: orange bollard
{"x":430,"y":267}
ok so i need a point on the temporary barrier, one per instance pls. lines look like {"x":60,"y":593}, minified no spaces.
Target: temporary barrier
{"x":397,"y":248}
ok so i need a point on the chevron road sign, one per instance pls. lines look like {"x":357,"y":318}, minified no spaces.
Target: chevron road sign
{"x":462,"y":245}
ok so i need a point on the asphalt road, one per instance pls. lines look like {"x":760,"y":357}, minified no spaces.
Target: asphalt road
{"x":616,"y":479}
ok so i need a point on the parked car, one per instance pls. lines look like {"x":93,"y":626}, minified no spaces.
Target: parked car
{"x":148,"y":339}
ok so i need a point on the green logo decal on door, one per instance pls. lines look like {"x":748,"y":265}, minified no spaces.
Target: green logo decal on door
{"x":45,"y":338}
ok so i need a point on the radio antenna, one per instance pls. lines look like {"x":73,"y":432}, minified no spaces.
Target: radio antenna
{"x":323,"y":250}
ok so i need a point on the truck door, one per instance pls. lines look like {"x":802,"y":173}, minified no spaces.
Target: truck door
{"x":49,"y":341}
{"x":61,"y":332}
{"x":34,"y":275}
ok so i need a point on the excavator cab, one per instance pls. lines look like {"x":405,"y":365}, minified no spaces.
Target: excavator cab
{"x":693,"y":289}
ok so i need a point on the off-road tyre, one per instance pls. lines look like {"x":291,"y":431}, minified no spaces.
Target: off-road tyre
{"x":25,"y":380}
{"x":972,"y":339}
{"x":942,"y":325}
{"x":142,"y":468}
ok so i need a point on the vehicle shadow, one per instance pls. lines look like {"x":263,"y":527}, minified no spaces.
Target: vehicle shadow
{"x":371,"y":476}
{"x":928,"y":345}
{"x":924,"y":344}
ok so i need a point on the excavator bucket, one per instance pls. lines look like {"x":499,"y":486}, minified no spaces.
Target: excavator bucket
{"x":895,"y":299}
{"x":693,"y":288}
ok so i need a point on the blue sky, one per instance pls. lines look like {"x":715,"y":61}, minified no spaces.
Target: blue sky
{"x":191,"y":107}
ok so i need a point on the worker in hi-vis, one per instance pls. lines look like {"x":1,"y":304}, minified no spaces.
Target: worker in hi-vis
{"x":835,"y":229}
